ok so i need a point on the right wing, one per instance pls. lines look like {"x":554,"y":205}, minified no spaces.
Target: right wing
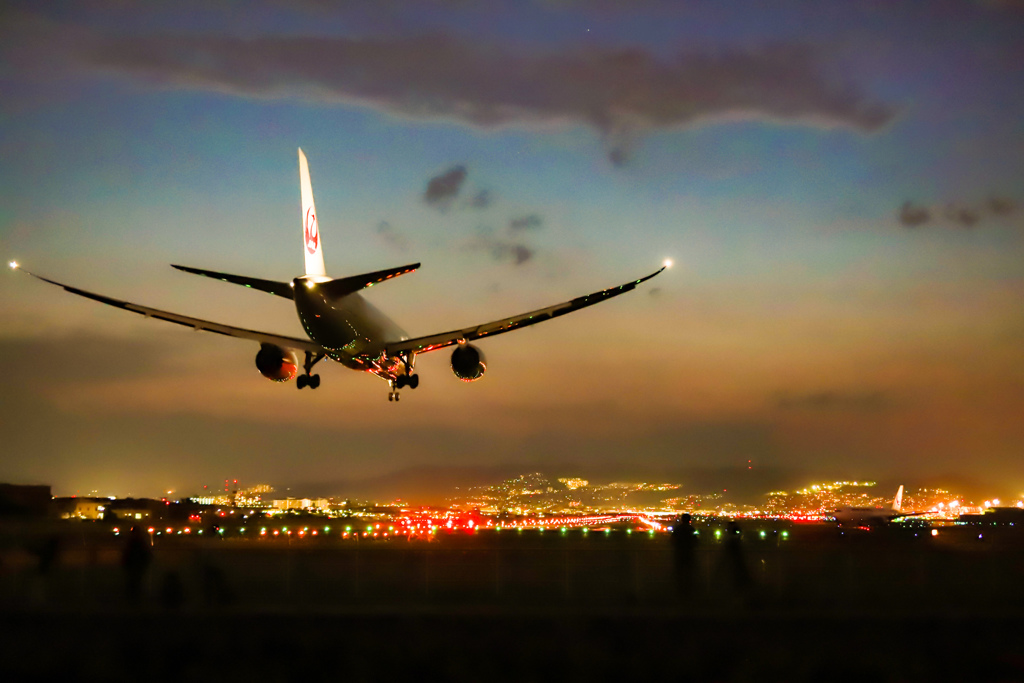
{"x":439,"y":341}
{"x":194,"y":323}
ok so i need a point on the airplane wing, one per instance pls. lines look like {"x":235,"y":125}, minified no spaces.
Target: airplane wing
{"x":195,"y":323}
{"x":439,"y":341}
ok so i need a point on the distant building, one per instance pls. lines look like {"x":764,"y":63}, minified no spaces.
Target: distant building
{"x":30,"y":501}
{"x":80,"y":508}
{"x":134,"y":509}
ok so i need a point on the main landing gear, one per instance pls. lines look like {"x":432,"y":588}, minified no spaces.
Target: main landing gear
{"x":411,"y":381}
{"x":306,"y":379}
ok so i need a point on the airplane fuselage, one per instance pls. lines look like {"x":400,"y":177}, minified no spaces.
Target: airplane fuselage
{"x":351,"y":330}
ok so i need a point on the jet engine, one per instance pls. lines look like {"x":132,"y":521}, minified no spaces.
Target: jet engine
{"x":276,"y":363}
{"x":468,"y":362}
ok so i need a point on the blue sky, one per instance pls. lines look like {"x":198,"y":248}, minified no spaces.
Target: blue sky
{"x":778,"y":154}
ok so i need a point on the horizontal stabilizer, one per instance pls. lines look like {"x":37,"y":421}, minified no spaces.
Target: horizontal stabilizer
{"x":344,"y":286}
{"x":282,"y":289}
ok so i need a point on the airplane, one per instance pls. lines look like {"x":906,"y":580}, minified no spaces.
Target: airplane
{"x":342,"y":325}
{"x":869,"y":517}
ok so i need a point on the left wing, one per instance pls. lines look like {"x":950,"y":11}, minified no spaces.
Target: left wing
{"x":439,"y":341}
{"x":195,"y":323}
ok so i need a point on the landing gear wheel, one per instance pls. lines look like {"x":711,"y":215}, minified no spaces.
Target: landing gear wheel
{"x":302,"y":381}
{"x":414,"y":381}
{"x":401,"y":381}
{"x":314,"y":381}
{"x":391,"y":396}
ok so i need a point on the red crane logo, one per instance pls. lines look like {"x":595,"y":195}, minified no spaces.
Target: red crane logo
{"x":312,"y":233}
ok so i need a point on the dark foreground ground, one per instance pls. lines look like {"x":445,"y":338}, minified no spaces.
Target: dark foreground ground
{"x":889,"y":605}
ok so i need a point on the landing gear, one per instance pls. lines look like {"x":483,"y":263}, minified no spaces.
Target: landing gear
{"x":411,"y":381}
{"x":308,"y":380}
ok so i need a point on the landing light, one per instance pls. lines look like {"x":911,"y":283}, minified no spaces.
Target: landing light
{"x":13,"y":265}
{"x":667,"y":263}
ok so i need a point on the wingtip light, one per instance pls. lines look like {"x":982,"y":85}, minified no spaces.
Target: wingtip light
{"x":13,"y":265}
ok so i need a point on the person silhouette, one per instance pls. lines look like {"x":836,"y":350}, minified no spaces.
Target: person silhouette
{"x":684,"y":551}
{"x":135,"y":559}
{"x":735,"y":563}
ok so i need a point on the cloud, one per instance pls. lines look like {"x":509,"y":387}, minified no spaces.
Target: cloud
{"x":963,"y":216}
{"x":620,"y":92}
{"x":828,"y":400}
{"x":912,"y":216}
{"x":1001,"y":206}
{"x":514,"y":252}
{"x":525,"y":223}
{"x":392,"y":237}
{"x":481,"y":200}
{"x":443,"y":188}
{"x":503,"y":250}
{"x":960,"y":215}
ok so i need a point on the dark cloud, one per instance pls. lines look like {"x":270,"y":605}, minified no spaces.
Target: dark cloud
{"x":392,"y":237}
{"x":443,"y":188}
{"x":620,"y":92}
{"x":1001,"y":206}
{"x":963,"y":216}
{"x":525,"y":223}
{"x":79,"y":357}
{"x":502,"y":250}
{"x":912,"y":216}
{"x":960,"y":215}
{"x":517,"y":253}
{"x":481,"y":200}
{"x":834,"y":401}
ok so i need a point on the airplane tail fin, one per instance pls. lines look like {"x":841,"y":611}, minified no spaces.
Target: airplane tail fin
{"x":312,"y":249}
{"x":897,"y":502}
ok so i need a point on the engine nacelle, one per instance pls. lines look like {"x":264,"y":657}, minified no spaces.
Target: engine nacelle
{"x":468,"y":362}
{"x":276,"y":363}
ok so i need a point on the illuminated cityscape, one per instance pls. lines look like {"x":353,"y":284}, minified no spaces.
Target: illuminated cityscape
{"x":531,"y":500}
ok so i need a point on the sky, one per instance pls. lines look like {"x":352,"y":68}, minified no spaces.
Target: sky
{"x":839,"y":185}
